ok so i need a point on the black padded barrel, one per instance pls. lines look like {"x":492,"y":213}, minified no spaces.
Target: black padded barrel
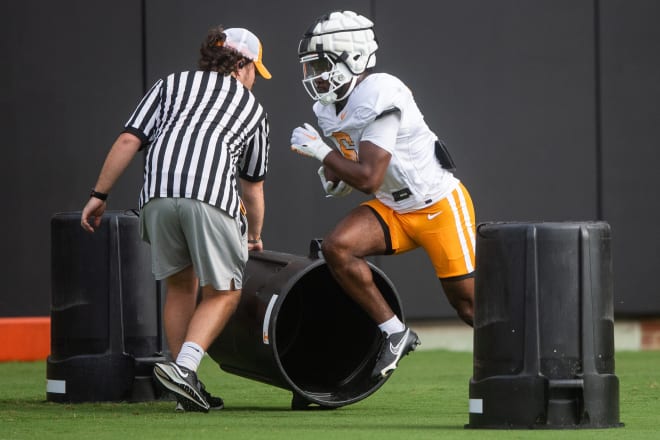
{"x":105,"y":312}
{"x":544,"y":327}
{"x":296,"y":329}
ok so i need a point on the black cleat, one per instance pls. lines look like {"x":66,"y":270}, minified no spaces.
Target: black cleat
{"x":215,"y":403}
{"x":184,"y":383}
{"x":392,"y":349}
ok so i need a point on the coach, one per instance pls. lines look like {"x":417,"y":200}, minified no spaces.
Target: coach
{"x":201,"y":130}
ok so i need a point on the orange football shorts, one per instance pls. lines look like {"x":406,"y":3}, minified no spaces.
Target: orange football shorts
{"x":445,"y":230}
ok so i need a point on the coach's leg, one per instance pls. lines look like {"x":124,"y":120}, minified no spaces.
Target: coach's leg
{"x":180,"y":304}
{"x":460,"y":294}
{"x":212,"y":314}
{"x":356,"y":236}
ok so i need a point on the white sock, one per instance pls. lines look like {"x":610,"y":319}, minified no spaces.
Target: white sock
{"x":190,"y":356}
{"x":392,"y":325}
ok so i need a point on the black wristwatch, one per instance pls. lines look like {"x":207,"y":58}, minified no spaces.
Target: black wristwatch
{"x":98,"y":195}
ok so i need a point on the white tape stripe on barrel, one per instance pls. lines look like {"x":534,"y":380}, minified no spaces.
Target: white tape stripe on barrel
{"x":476,"y":406}
{"x":269,"y":311}
{"x":56,"y":386}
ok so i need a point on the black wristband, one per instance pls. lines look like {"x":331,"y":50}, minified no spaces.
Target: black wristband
{"x":98,"y":195}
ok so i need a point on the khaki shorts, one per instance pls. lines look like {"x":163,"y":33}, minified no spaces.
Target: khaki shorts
{"x":184,"y":232}
{"x":445,"y":230}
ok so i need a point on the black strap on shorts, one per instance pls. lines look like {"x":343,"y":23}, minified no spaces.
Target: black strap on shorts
{"x":386,"y":232}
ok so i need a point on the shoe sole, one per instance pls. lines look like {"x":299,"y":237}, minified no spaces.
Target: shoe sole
{"x":170,"y":380}
{"x":392,"y":366}
{"x":181,"y":407}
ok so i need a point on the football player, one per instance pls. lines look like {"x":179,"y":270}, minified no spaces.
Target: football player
{"x":381,"y":145}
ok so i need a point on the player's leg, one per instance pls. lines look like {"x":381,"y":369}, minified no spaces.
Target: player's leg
{"x":363,"y":233}
{"x":460,"y":293}
{"x":446,"y":231}
{"x":355,"y":237}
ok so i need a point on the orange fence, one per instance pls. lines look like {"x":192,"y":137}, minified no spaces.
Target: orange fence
{"x":24,"y":338}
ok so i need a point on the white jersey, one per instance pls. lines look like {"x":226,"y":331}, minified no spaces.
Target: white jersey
{"x":414,"y":178}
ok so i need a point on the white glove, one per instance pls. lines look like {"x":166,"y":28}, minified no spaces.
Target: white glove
{"x":307,"y":141}
{"x":340,"y":190}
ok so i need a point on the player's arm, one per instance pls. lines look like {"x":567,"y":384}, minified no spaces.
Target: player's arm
{"x":365,"y":175}
{"x":378,"y":140}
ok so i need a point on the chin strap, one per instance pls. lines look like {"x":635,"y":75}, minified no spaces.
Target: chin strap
{"x":331,"y":97}
{"x":328,"y":98}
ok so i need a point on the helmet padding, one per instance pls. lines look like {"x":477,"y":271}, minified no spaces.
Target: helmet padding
{"x":348,"y":40}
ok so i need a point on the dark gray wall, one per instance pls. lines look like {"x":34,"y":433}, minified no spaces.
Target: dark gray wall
{"x":70,"y":77}
{"x":509,"y":85}
{"x":547,"y":106}
{"x":630,"y":128}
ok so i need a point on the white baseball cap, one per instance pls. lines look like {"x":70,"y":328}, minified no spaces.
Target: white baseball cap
{"x":248,"y":45}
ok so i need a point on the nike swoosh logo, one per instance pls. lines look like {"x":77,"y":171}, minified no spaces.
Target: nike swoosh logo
{"x":432,"y":216}
{"x":342,"y":116}
{"x":181,"y":373}
{"x":395,"y":349}
{"x":311,"y":137}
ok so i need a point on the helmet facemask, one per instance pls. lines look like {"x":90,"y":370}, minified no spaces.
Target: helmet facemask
{"x":323,"y":77}
{"x":335,"y":51}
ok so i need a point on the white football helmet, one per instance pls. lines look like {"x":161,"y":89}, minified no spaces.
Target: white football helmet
{"x":334,"y":51}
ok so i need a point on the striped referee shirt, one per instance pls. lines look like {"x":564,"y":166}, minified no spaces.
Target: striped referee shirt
{"x":201,"y":130}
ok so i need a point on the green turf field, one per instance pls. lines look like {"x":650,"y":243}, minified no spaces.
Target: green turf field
{"x":427,"y":398}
